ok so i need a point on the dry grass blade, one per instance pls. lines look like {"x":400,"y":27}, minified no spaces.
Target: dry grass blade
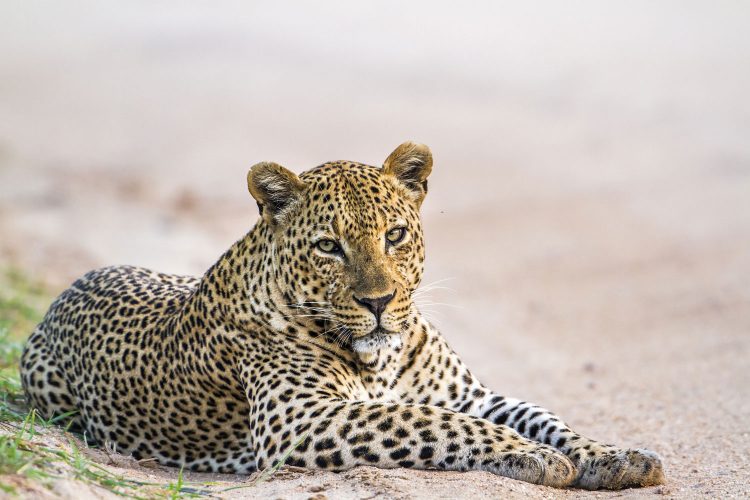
{"x":270,"y":471}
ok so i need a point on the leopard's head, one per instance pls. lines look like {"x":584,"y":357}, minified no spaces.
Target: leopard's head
{"x":346,"y":242}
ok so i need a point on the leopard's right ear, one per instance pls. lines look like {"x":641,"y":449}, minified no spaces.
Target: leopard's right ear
{"x":276,"y":189}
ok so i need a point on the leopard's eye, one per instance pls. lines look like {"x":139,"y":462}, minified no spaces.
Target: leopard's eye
{"x":395,"y":235}
{"x":328,"y":246}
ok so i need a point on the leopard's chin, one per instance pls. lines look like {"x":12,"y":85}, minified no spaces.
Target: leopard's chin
{"x":376,"y":339}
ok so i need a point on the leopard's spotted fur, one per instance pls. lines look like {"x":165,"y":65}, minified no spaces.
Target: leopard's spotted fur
{"x":303,"y":332}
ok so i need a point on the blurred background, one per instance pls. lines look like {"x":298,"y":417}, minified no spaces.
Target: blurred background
{"x":589,"y":212}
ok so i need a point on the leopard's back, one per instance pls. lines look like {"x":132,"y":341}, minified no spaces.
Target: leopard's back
{"x":107,"y":352}
{"x":77,"y":343}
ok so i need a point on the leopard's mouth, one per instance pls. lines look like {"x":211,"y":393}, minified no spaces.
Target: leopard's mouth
{"x":376,"y":339}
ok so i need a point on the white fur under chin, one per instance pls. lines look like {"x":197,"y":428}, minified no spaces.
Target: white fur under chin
{"x":374,"y":341}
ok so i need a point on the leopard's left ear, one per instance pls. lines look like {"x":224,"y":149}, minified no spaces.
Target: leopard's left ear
{"x":411,"y":164}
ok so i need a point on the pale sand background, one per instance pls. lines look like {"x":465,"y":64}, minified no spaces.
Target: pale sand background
{"x":590,"y":200}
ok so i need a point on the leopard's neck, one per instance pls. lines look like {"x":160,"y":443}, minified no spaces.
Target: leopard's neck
{"x":239,"y":290}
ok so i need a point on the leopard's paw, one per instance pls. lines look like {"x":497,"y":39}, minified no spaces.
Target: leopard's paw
{"x":619,"y":469}
{"x":540,"y":465}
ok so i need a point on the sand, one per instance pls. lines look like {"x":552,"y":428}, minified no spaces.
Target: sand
{"x":588,"y":215}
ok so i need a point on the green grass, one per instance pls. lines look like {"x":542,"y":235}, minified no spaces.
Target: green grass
{"x":22,"y":305}
{"x":28,"y":456}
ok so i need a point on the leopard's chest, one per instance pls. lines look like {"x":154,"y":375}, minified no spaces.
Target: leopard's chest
{"x":381,"y":386}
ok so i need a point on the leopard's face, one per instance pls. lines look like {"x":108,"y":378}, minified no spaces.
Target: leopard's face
{"x":349,"y":251}
{"x":364,"y":249}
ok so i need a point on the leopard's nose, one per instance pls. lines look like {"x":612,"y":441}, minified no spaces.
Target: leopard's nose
{"x":375,"y":305}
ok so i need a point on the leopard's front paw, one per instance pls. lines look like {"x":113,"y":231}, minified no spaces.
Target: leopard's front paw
{"x":617,"y":469}
{"x":538,"y":464}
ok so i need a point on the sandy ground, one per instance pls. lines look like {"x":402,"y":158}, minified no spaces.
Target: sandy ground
{"x":589,"y":209}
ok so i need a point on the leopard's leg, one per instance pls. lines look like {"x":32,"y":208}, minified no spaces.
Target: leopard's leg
{"x":43,"y":381}
{"x":338,"y":435}
{"x":456,"y":388}
{"x":599,"y":465}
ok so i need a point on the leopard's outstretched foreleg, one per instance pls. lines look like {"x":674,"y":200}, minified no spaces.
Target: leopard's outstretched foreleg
{"x":339,"y":435}
{"x":598,"y":465}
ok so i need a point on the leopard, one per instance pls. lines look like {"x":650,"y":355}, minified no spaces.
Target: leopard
{"x":302,"y":345}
